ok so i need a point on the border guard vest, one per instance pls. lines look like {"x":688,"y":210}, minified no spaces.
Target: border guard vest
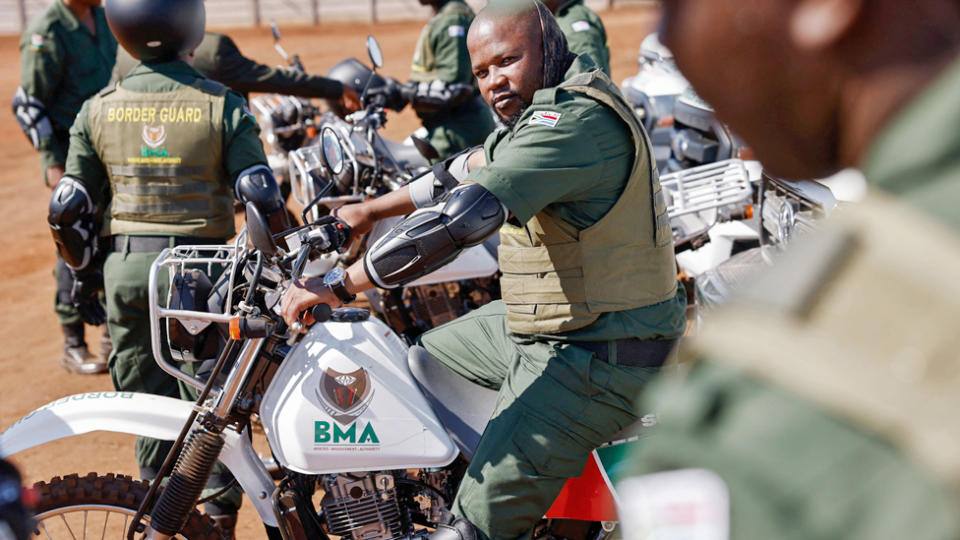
{"x":557,"y":279}
{"x":163,"y":153}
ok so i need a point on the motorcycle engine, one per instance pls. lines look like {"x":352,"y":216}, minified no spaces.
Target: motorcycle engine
{"x":362,"y":506}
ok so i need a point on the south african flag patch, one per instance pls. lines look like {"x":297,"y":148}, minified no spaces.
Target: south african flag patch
{"x":545,"y":118}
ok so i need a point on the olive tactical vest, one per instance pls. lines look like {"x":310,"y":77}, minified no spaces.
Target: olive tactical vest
{"x":424,"y":68}
{"x":557,"y":279}
{"x":163,"y":153}
{"x":861,"y":319}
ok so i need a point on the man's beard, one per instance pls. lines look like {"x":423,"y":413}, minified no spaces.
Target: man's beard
{"x":511,"y":121}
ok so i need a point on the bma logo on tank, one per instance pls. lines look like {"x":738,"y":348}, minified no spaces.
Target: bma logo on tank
{"x":344,"y":394}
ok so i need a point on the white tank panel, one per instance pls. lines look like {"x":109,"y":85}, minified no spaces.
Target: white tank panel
{"x":344,"y":400}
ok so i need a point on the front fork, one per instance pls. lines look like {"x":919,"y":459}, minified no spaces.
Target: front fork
{"x":199,"y":454}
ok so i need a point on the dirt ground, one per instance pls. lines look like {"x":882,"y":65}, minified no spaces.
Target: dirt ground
{"x":29,"y":372}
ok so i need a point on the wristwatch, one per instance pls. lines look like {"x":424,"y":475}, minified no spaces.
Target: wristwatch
{"x":334,"y":280}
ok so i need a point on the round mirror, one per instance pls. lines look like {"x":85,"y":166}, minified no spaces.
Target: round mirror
{"x":373,"y":49}
{"x":332,"y":150}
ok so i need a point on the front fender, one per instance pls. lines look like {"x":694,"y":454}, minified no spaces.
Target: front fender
{"x":145,"y":415}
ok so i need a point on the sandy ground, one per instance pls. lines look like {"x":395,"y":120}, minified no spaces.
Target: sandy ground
{"x":29,"y":372}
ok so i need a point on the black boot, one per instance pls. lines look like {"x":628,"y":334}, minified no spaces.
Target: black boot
{"x":76,"y":358}
{"x":459,"y":529}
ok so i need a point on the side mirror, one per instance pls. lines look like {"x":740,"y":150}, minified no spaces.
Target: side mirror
{"x":258,"y":231}
{"x":373,"y":49}
{"x":426,"y":149}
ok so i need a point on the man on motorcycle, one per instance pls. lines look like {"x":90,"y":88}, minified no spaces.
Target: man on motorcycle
{"x":154,"y":162}
{"x":591,"y":307}
{"x":442,"y":89}
{"x":821,"y":403}
{"x":218,"y":58}
{"x":66,"y":54}
{"x":583,"y":29}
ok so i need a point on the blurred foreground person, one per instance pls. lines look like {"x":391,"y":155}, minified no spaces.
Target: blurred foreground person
{"x":156,"y":161}
{"x":16,"y":521}
{"x":821,"y":402}
{"x":66,"y":54}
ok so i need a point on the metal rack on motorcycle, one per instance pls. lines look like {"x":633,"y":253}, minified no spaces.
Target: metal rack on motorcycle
{"x":707,"y":187}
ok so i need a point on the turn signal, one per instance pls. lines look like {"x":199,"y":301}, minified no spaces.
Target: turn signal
{"x":235,"y":333}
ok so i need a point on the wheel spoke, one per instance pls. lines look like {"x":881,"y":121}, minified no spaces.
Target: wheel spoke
{"x":45,"y":531}
{"x":106,"y":518}
{"x":69,"y":529}
{"x":85,"y":524}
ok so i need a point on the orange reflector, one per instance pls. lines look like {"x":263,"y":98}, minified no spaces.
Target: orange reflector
{"x":311,"y":132}
{"x":666,"y":121}
{"x":746,"y":154}
{"x":235,"y":329}
{"x":749,"y":211}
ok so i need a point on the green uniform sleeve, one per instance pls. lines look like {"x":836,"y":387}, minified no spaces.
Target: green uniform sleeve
{"x":448,"y":39}
{"x":218,"y":58}
{"x":538,"y":164}
{"x":41,"y":70}
{"x":83,"y":162}
{"x":585,"y":34}
{"x":242,"y":147}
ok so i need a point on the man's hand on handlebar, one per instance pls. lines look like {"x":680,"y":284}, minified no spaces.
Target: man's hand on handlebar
{"x":350,"y":100}
{"x":302,"y":295}
{"x":357,"y":216}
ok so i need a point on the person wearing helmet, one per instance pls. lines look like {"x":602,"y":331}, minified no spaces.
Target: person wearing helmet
{"x":155,"y":161}
{"x":218,"y":58}
{"x":583,"y":29}
{"x":442,"y":89}
{"x":66,"y":54}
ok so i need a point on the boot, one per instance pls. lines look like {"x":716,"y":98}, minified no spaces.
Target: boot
{"x":76,"y":358}
{"x":458,"y":529}
{"x":227,"y":524}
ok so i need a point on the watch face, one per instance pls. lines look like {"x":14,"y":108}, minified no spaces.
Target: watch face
{"x":333,"y":277}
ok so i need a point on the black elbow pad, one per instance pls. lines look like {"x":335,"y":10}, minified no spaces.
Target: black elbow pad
{"x":72,"y":219}
{"x":430,"y":238}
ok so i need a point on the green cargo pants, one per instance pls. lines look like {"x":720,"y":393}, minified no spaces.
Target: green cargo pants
{"x":132,"y":366}
{"x":557,"y":403}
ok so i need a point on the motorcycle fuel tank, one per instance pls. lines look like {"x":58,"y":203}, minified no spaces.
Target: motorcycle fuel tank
{"x":344,"y":400}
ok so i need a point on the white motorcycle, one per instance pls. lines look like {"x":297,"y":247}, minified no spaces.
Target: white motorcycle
{"x":382,"y":429}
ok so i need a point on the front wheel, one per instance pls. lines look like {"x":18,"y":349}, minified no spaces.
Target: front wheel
{"x":102,"y":506}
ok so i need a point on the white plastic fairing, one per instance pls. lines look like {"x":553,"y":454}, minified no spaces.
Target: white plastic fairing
{"x":344,"y":400}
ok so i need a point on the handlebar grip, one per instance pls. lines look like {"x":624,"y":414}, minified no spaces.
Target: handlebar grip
{"x":321,"y":312}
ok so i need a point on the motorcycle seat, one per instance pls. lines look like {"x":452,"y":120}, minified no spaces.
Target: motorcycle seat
{"x":464,"y":408}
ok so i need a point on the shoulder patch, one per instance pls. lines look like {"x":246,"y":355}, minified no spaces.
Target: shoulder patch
{"x":545,"y":118}
{"x":688,"y":504}
{"x":210,"y":87}
{"x":580,"y":26}
{"x":37,"y":42}
{"x":456,"y":30}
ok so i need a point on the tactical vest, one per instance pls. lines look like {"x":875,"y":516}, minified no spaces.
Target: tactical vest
{"x":163,"y":154}
{"x":557,"y":279}
{"x":861,"y":319}
{"x":424,"y":68}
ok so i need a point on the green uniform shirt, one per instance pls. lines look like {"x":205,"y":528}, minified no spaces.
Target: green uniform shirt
{"x":442,"y":53}
{"x":62,"y":64}
{"x":218,"y":58}
{"x":584,"y":32}
{"x":917,"y":156}
{"x":578,"y":168}
{"x":241,"y":135}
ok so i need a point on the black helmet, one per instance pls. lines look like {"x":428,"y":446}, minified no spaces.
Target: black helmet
{"x":157,"y":30}
{"x":354,"y":75}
